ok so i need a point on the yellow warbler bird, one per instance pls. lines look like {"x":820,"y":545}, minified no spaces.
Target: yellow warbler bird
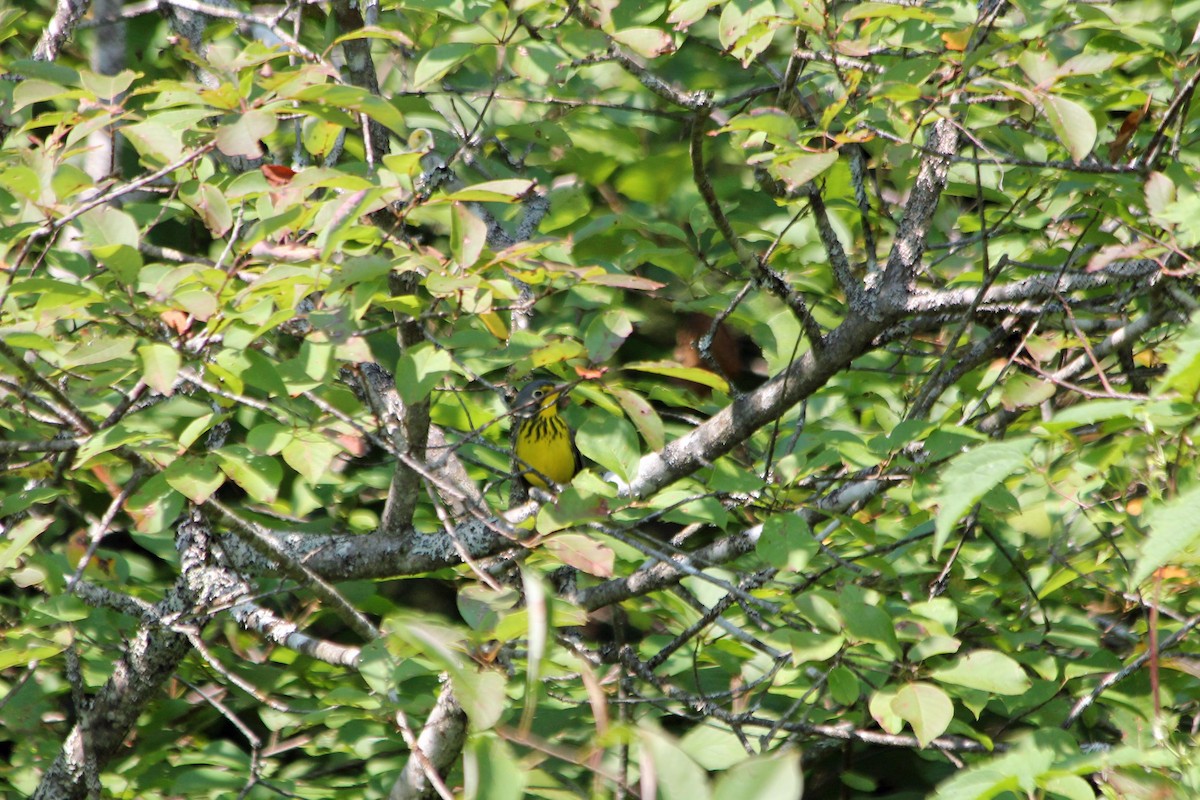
{"x":543,"y":445}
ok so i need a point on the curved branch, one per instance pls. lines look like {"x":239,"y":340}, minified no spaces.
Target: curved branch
{"x":746,"y":414}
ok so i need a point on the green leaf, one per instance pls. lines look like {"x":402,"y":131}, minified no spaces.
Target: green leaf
{"x":926,"y":708}
{"x":677,"y":776}
{"x":772,"y":121}
{"x":1183,"y":366}
{"x":606,"y":333}
{"x":880,"y":708}
{"x":817,"y":609}
{"x":258,"y":475}
{"x":1025,"y":391}
{"x":572,"y":508}
{"x":503,"y":191}
{"x":1072,"y":124}
{"x":13,"y":656}
{"x":377,"y":667}
{"x":1016,"y":772}
{"x":254,"y":368}
{"x":468,"y":235}
{"x":107,"y":87}
{"x":610,"y":442}
{"x":105,"y":227}
{"x":713,"y":748}
{"x":786,"y":542}
{"x":312,"y":367}
{"x":844,"y":686}
{"x":1040,"y":66}
{"x":1087,"y":64}
{"x":1071,"y":787}
{"x":968,"y":477}
{"x":338,"y":221}
{"x":210,"y":204}
{"x":868,"y":623}
{"x":194,"y":478}
{"x":481,"y":606}
{"x":673,"y":370}
{"x":1160,"y":195}
{"x":269,"y":438}
{"x":744,"y":30}
{"x":421,"y":369}
{"x":810,"y":648}
{"x":481,"y":695}
{"x":799,"y":170}
{"x":685,"y":13}
{"x":646,"y":42}
{"x":986,"y":670}
{"x":356,"y":99}
{"x":1174,"y":535}
{"x":34,"y":90}
{"x":438,"y":61}
{"x":1091,"y":412}
{"x":103,"y":352}
{"x":20,"y":501}
{"x":494,"y":772}
{"x":160,"y":367}
{"x":159,"y":139}
{"x":310,"y":454}
{"x":20,"y":536}
{"x":889,"y":11}
{"x":643,"y":416}
{"x":931,"y":646}
{"x":775,"y":775}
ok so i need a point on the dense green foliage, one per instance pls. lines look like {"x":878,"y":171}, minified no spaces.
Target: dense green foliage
{"x":918,"y":519}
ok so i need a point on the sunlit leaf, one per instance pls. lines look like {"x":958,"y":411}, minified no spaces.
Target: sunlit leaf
{"x":926,"y":708}
{"x":438,"y":61}
{"x":160,"y":366}
{"x":241,"y":137}
{"x":774,"y":775}
{"x":987,"y":670}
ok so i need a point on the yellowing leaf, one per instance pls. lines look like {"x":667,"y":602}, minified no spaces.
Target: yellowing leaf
{"x":583,"y":553}
{"x":675,"y":370}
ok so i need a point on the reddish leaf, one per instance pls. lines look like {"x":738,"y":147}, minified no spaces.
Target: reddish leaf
{"x":278,"y":175}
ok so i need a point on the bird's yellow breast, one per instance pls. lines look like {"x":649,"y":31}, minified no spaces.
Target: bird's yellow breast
{"x":544,"y":447}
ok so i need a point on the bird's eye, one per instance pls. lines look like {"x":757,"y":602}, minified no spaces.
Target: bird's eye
{"x":539,"y":393}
